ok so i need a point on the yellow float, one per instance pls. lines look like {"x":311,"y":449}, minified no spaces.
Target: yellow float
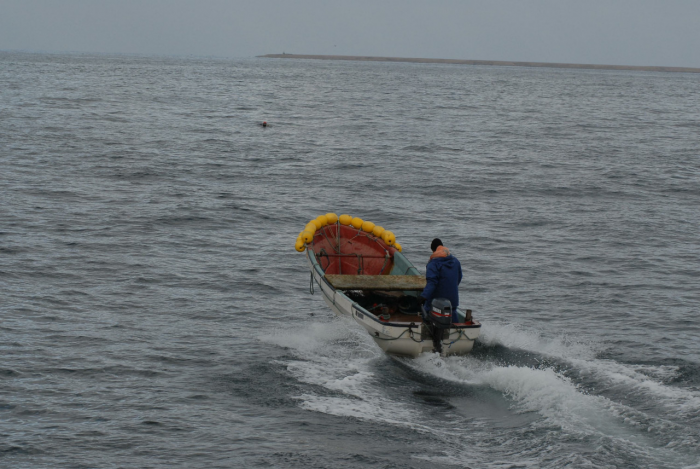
{"x":389,"y":238}
{"x":322,"y":220}
{"x":367,"y":226}
{"x":330,"y":218}
{"x":307,"y":236}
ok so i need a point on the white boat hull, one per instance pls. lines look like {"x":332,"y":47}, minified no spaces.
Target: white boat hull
{"x":406,"y":339}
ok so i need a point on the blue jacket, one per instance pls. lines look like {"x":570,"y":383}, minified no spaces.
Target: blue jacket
{"x":443,"y":275}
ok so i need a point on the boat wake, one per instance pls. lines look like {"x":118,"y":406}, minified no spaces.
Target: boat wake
{"x":551,"y":394}
{"x":607,"y":377}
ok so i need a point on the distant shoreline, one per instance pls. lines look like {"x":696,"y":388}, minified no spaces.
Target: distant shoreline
{"x":484,"y":62}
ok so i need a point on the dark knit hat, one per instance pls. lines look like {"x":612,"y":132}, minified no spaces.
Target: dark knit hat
{"x":434,"y":245}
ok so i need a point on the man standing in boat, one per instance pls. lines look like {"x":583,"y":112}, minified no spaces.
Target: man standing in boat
{"x":443,"y":275}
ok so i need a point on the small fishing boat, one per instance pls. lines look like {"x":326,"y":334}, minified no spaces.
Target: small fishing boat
{"x":361,"y":272}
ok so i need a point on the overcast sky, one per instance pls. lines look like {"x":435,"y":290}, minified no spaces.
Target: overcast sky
{"x":623,"y":32}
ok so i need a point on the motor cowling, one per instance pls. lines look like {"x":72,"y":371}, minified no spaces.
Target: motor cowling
{"x":440,"y":312}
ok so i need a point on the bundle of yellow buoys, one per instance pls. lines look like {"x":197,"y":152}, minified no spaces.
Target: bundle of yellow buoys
{"x":307,"y":234}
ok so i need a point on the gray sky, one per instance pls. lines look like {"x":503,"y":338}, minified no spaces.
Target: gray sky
{"x":623,"y":32}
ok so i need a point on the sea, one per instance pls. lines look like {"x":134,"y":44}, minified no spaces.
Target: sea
{"x":155,"y":314}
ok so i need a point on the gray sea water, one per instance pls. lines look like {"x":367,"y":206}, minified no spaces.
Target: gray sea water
{"x":154,"y":312}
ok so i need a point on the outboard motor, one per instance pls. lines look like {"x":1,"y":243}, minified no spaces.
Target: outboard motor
{"x":438,"y":318}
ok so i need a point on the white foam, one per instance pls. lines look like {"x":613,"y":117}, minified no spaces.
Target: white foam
{"x":349,"y":379}
{"x":339,"y":337}
{"x":518,"y":337}
{"x":659,"y":372}
{"x":563,"y":406}
{"x":316,"y":340}
{"x":462,"y":460}
{"x":544,"y":391}
{"x":684,"y":401}
{"x":336,"y":355}
{"x":646,"y":380}
{"x":307,"y":338}
{"x":340,"y":358}
{"x":361,"y":396}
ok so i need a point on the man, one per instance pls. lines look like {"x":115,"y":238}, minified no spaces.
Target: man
{"x":443,"y":275}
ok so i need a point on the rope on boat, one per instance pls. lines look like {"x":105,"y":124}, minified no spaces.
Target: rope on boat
{"x":386,"y":260}
{"x":410,"y":330}
{"x":461,"y":331}
{"x":311,"y":283}
{"x":395,"y":338}
{"x":337,"y":248}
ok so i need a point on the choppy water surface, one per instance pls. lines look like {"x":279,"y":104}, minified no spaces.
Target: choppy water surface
{"x":155,"y":314}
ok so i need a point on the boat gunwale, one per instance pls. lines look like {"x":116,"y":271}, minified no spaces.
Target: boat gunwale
{"x":359,"y":308}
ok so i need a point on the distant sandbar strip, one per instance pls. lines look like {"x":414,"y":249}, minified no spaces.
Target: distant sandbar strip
{"x":483,"y":62}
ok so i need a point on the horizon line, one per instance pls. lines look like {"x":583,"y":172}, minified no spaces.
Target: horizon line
{"x":500,"y":63}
